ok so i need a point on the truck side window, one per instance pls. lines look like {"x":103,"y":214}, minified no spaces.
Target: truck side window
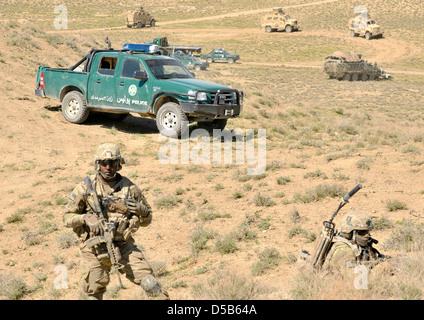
{"x":107,"y":66}
{"x":129,"y":67}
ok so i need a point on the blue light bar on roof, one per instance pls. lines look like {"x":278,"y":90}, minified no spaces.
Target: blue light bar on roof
{"x":149,"y":48}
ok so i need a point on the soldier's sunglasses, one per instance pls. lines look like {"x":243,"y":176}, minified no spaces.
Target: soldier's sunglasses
{"x":105,"y":163}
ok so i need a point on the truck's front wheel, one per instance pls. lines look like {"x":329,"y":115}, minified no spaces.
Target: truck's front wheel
{"x":171,"y":120}
{"x":74,"y":107}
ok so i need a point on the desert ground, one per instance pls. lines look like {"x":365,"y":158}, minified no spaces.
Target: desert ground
{"x":217,"y":232}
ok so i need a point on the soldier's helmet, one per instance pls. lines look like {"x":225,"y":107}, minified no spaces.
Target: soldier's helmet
{"x":108,"y":151}
{"x":355,"y":220}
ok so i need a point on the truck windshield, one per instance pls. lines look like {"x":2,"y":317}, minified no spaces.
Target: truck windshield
{"x":167,"y":69}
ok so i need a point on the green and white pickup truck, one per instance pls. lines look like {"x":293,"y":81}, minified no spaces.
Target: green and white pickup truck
{"x":137,"y":79}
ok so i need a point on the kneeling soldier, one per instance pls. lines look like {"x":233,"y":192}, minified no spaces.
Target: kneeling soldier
{"x":104,"y":210}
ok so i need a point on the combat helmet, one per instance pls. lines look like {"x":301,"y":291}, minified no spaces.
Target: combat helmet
{"x":355,"y":220}
{"x":108,"y":151}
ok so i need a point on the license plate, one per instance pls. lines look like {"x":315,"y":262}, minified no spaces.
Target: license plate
{"x":229,"y":112}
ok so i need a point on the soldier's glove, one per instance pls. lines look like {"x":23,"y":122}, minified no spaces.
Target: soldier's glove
{"x":92,"y":222}
{"x":137,"y":208}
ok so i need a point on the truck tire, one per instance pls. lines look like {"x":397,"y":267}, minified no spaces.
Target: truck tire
{"x":74,"y":107}
{"x":153,"y":23}
{"x":197,"y":67}
{"x":171,"y":120}
{"x":368,"y":36}
{"x":215,"y":124}
{"x":352,"y":33}
{"x":268,"y":29}
{"x":346,"y":77}
{"x":209,"y":60}
{"x":230,"y":60}
{"x":289,"y":29}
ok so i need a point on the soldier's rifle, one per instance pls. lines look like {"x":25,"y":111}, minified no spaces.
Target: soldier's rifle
{"x":107,"y":231}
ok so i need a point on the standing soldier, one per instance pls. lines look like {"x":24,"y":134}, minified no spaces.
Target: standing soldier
{"x":115,"y":206}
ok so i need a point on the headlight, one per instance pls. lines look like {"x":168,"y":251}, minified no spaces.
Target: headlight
{"x":201,"y":96}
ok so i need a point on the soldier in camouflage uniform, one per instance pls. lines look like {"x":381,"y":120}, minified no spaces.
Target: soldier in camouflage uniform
{"x":124,"y":204}
{"x":353,"y":244}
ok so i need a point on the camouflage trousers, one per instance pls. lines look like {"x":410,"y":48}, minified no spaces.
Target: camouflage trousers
{"x":95,"y":274}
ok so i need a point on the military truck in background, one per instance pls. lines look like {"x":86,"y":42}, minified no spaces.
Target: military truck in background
{"x":278,"y":20}
{"x":367,"y":28}
{"x":190,"y":62}
{"x":138,"y":18}
{"x":220,"y":55}
{"x":348,"y":66}
{"x":162,"y":42}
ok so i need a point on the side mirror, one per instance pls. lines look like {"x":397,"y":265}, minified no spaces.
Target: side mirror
{"x":140,"y":75}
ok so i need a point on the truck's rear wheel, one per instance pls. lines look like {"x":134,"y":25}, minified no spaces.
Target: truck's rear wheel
{"x":153,"y":23}
{"x":74,"y":107}
{"x":215,"y":124}
{"x":230,"y":60}
{"x":171,"y":120}
{"x":209,"y":60}
{"x":197,"y":67}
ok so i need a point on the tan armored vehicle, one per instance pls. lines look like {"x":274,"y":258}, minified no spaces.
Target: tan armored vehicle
{"x":139,"y":18}
{"x":367,"y":28}
{"x":278,"y":20}
{"x":346,"y":65}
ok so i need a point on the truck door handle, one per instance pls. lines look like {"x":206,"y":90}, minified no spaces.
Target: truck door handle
{"x":121,"y":84}
{"x":97,"y":81}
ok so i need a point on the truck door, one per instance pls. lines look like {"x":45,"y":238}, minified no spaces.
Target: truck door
{"x":102,"y":80}
{"x":130,"y":92}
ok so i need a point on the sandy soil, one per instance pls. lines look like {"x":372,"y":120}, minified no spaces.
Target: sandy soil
{"x":44,"y":156}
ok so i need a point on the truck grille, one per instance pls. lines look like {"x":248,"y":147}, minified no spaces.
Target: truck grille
{"x":223,"y":98}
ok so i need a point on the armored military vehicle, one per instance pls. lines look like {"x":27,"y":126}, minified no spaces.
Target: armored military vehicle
{"x":278,"y":20}
{"x":138,"y":18}
{"x":346,"y":65}
{"x":365,"y":28}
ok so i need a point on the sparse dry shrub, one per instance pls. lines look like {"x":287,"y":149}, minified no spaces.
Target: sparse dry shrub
{"x":320,"y":192}
{"x":66,"y":240}
{"x":12,"y":287}
{"x":226,"y":285}
{"x":406,"y":236}
{"x":199,"y":237}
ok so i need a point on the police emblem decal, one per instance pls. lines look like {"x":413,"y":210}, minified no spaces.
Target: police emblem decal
{"x":132,"y":90}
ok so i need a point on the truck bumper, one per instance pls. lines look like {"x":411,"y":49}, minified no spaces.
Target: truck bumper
{"x":40,"y":93}
{"x":212,"y":111}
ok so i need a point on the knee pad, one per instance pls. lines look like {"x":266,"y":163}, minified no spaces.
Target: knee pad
{"x":151,"y":286}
